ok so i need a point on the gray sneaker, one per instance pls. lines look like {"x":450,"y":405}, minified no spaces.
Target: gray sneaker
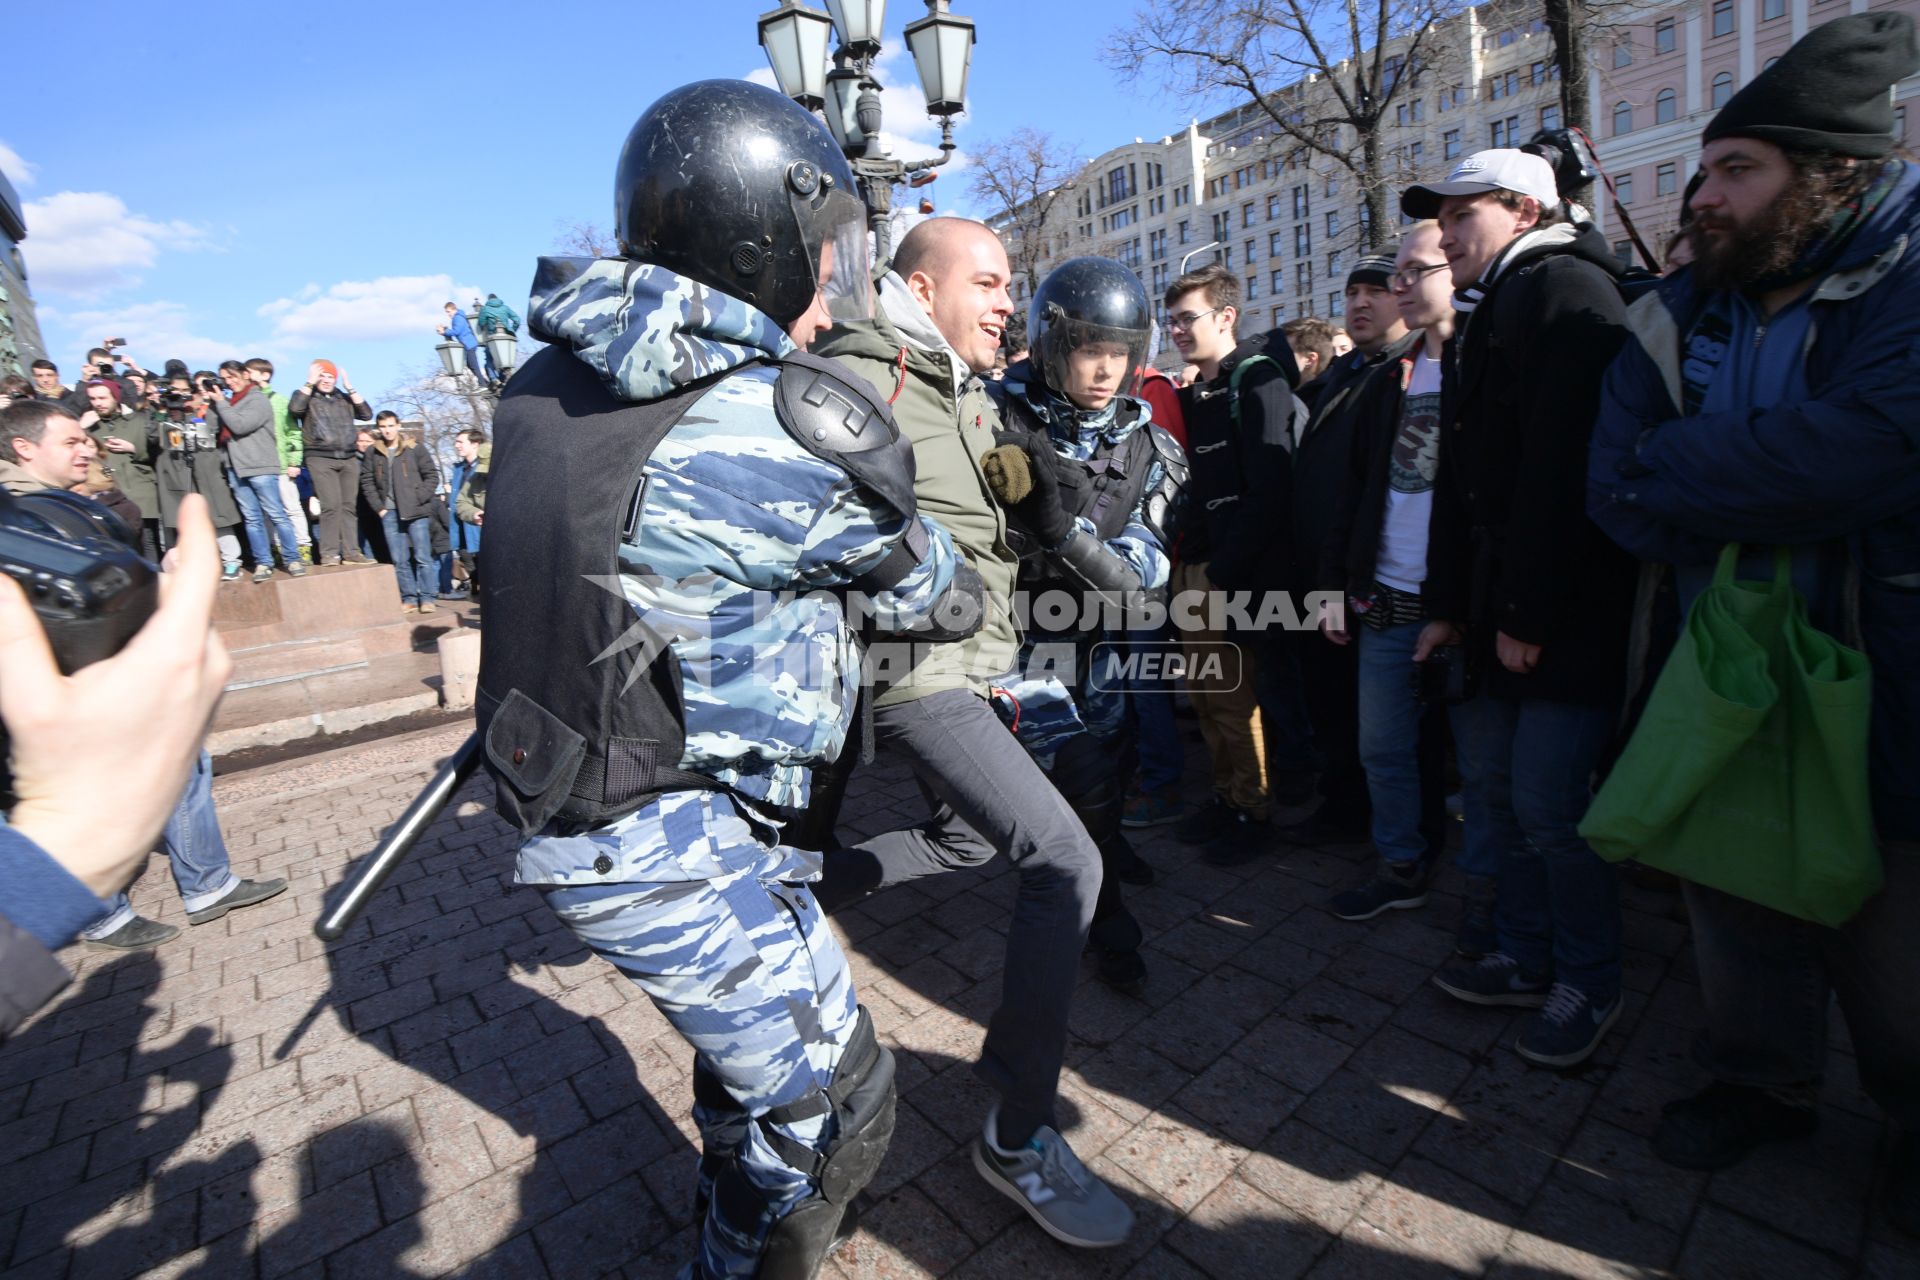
{"x":244,"y":894}
{"x":1047,"y":1180}
{"x":137,"y":934}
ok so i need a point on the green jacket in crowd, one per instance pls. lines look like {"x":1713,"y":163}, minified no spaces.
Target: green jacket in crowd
{"x":293,"y":447}
{"x":942,"y":407}
{"x":472,"y":498}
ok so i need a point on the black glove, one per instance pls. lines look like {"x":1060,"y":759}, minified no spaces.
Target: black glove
{"x":1027,"y":486}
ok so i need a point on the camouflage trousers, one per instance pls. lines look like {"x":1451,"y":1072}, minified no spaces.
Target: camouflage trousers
{"x":730,"y":945}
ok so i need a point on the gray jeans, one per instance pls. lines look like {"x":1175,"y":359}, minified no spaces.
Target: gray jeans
{"x":1767,"y":980}
{"x":989,"y":797}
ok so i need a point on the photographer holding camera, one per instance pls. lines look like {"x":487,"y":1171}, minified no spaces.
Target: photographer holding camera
{"x":186,"y":459}
{"x":138,"y":717}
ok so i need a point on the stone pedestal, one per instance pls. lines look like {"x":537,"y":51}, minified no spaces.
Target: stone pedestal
{"x":330,"y":620}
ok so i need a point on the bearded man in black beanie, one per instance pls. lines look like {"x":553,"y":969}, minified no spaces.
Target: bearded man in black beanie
{"x":1767,"y":398}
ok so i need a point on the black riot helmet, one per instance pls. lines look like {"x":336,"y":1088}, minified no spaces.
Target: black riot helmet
{"x":732,"y":185}
{"x":1084,"y":301}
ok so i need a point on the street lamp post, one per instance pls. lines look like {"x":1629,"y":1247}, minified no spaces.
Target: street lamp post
{"x":1194,"y":253}
{"x":941,"y":43}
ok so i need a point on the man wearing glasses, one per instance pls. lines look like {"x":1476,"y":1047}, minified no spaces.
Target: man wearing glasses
{"x":1377,"y":558}
{"x":1321,"y":458}
{"x":1239,"y":429}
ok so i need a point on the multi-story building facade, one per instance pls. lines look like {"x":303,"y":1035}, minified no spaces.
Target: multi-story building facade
{"x":1662,"y":73}
{"x":1290,"y":221}
{"x":20,"y":343}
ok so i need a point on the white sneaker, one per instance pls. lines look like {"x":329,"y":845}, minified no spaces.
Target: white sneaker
{"x":1047,"y":1180}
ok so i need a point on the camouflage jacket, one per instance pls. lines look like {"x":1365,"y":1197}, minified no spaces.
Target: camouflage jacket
{"x":741,"y":532}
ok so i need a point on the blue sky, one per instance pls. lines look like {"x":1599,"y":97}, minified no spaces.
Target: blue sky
{"x":303,"y":181}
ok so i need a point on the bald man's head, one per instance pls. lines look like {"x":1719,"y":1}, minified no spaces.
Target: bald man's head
{"x":956,"y":269}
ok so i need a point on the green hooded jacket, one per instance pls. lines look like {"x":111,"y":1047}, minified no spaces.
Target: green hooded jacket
{"x":943,"y":408}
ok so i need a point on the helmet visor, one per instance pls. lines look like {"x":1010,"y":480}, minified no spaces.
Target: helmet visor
{"x":1063,"y":337}
{"x":833,"y":227}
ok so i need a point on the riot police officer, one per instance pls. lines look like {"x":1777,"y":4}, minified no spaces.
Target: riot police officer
{"x":676,"y":493}
{"x":1071,"y":425}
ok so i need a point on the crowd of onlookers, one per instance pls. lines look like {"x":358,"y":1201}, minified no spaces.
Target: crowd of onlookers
{"x":315,"y":478}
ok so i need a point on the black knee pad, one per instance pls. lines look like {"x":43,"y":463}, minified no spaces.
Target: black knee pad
{"x":862,"y":1100}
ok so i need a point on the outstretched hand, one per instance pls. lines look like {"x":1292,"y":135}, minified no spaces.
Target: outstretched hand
{"x":139,"y":717}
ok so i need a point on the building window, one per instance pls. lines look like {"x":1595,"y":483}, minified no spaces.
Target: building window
{"x":1224,"y":257}
{"x":1333,"y":217}
{"x":1279,"y":282}
{"x":1416,"y":152}
{"x":1182,"y":194}
{"x":1665,"y":106}
{"x":1722,"y":88}
{"x":1303,"y":278}
{"x":1333,"y":263}
{"x":1506,"y":133}
{"x":1550,"y":116}
{"x":1246,"y":214}
{"x":1623,"y":250}
{"x":1221,"y":222}
{"x":1301,"y":203}
{"x":1302,"y":240}
{"x":1622,"y":118}
{"x":1666,"y":179}
{"x":1117,"y":185}
{"x":1336,"y":305}
{"x":1250,"y":253}
{"x":1900,"y":124}
{"x":1663,"y":36}
{"x":1623,"y":189}
{"x":1723,"y":17}
{"x":1450,"y":145}
{"x":1185,"y":232}
{"x":1253,"y":287}
{"x":1273,"y":245}
{"x":1157,"y":244}
{"x":1771,"y":9}
{"x":1623,"y":53}
{"x":1411,"y":112}
{"x":1454,"y":95}
{"x":1332,"y":188}
{"x":1273,"y":206}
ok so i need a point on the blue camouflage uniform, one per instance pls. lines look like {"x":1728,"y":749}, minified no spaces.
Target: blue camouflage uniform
{"x":1050,"y":709}
{"x":741,"y":534}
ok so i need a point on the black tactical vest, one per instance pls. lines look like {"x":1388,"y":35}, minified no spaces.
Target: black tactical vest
{"x":574,"y":726}
{"x":568,"y":733}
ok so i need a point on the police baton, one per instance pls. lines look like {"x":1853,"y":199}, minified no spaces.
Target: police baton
{"x":371,"y":874}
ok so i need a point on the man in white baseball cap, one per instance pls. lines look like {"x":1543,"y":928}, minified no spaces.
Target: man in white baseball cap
{"x":1539,"y":597}
{"x":1471,"y":245}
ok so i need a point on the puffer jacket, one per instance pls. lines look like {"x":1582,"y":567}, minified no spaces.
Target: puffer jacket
{"x":1841,"y":465}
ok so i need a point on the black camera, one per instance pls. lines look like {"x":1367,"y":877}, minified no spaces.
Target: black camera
{"x":185,"y":438}
{"x":77,"y":564}
{"x":90,"y":589}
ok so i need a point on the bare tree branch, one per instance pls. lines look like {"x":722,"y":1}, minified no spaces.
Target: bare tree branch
{"x":584,"y":240}
{"x":1327,"y":74}
{"x":1021,"y":177}
{"x":444,"y":406}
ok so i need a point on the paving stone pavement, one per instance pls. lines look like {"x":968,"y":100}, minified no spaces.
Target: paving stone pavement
{"x":459,"y":1088}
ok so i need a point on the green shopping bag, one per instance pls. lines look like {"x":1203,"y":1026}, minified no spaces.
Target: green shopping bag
{"x":1748,"y":769}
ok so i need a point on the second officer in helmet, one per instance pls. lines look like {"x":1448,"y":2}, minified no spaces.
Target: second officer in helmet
{"x":1073,"y":431}
{"x":679,"y":500}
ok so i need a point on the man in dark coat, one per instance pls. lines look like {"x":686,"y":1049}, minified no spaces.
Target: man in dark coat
{"x":399,"y":481}
{"x":1540,"y":594}
{"x":1766,"y":397}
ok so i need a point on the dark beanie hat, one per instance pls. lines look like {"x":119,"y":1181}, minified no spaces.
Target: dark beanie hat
{"x":1375,"y":269}
{"x":1829,"y":91}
